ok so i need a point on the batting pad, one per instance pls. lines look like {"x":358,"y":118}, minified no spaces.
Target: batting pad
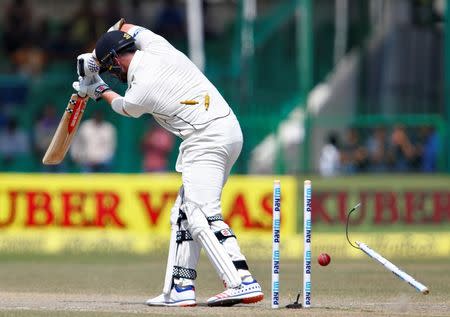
{"x":219,"y":258}
{"x":198,"y":226}
{"x":170,"y":260}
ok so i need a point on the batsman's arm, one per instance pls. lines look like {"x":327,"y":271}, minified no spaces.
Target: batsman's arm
{"x":126,"y":27}
{"x":144,"y":37}
{"x":67,"y":128}
{"x":117,"y":26}
{"x":121,"y":106}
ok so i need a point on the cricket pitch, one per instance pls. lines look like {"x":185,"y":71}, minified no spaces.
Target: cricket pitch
{"x":118,"y":285}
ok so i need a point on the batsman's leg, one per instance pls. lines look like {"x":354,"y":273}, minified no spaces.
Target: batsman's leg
{"x":203,"y":182}
{"x":179,"y":287}
{"x":168,"y":280}
{"x":198,"y":226}
{"x":230,"y":242}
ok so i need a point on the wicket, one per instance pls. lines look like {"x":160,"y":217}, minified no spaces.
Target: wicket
{"x":307,"y":199}
{"x":307,"y":257}
{"x":276,"y":210}
{"x":393,"y":268}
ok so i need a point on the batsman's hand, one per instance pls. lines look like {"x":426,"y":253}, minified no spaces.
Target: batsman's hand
{"x":92,"y":86}
{"x":117,"y":25}
{"x":87,"y":65}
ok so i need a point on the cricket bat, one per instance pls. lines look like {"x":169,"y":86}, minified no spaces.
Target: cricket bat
{"x":66,"y":130}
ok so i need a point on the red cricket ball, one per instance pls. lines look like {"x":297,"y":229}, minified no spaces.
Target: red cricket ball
{"x":324,"y":259}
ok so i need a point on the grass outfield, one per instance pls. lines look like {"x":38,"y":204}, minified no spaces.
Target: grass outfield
{"x":117,"y":285}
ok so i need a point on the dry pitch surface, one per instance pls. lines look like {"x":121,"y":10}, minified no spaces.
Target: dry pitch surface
{"x":118,"y":285}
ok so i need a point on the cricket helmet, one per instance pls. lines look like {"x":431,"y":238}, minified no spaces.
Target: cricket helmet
{"x":110,"y":45}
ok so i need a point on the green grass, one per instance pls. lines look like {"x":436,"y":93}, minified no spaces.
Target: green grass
{"x":37,"y":313}
{"x":118,"y":284}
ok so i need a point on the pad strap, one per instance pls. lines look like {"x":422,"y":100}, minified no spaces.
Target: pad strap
{"x":181,"y":216}
{"x":183,"y":272}
{"x":240,"y":265}
{"x":183,"y":235}
{"x":224,"y":234}
{"x":214,"y":218}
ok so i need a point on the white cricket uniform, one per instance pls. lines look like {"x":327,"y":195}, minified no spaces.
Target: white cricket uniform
{"x":163,"y":82}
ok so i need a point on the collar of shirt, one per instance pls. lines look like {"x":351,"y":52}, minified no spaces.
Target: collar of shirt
{"x":135,"y":61}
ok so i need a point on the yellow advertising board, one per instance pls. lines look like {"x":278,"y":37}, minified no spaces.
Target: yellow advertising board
{"x":130,"y":213}
{"x":51,"y":213}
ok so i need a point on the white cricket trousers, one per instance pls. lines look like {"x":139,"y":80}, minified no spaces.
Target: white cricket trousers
{"x":205,"y":167}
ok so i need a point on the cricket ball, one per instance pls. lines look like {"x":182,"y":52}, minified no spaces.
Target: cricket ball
{"x":324,"y":259}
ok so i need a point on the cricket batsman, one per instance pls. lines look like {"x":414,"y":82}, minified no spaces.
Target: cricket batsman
{"x":163,"y":82}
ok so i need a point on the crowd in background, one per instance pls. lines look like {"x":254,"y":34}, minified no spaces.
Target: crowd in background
{"x":30,"y":43}
{"x":383,"y":149}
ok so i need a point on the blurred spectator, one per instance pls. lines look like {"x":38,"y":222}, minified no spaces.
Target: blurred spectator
{"x":29,"y":59}
{"x":157,"y":144}
{"x":110,"y":14}
{"x":40,"y":44}
{"x":14,"y":143}
{"x":428,"y":149}
{"x":94,"y":145}
{"x":402,"y":153}
{"x":330,"y":158}
{"x":43,"y":132}
{"x":17,"y":25}
{"x":20,"y":37}
{"x":353,"y":154}
{"x":377,"y":150}
{"x":84,"y":27}
{"x":170,"y":21}
{"x":135,"y":14}
{"x":60,"y":45}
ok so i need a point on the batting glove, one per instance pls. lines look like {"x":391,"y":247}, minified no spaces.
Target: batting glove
{"x":87,"y":65}
{"x":92,"y":86}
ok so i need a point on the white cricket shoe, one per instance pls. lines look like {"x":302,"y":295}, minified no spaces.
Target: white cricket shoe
{"x":178,"y":297}
{"x":246,"y":293}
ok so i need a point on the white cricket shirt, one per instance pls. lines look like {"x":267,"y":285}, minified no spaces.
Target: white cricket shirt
{"x":163,"y":82}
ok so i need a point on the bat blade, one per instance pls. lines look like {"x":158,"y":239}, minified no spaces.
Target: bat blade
{"x":66,"y":130}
